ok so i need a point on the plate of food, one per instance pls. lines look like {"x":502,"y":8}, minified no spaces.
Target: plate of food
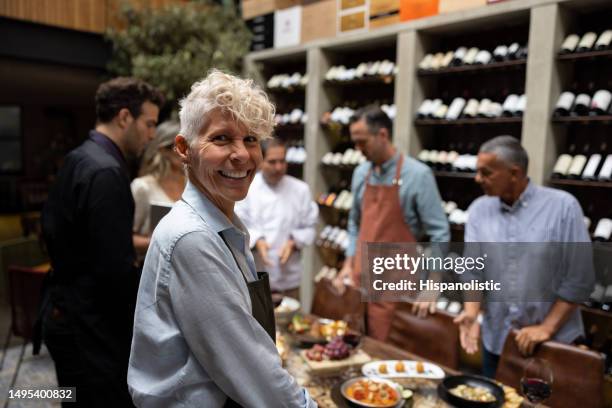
{"x":285,"y":311}
{"x":471,"y":391}
{"x":402,"y":369}
{"x":336,"y":356}
{"x":308,"y":331}
{"x":372,"y":392}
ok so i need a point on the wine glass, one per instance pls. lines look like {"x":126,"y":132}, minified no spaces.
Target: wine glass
{"x":537,"y":380}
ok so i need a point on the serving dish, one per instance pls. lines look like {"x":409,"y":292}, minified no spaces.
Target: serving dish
{"x":445,"y":387}
{"x":402,"y":369}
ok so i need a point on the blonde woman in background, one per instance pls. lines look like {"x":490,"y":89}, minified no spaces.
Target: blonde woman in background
{"x":162,"y":180}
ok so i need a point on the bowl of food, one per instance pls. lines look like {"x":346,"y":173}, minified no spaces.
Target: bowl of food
{"x":471,"y":391}
{"x":285,"y":310}
{"x":372,"y":392}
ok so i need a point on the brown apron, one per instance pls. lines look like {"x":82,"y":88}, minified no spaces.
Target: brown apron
{"x":382,"y":220}
{"x":262,"y":307}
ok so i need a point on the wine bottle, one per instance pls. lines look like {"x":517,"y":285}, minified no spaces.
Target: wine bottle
{"x":522,"y":53}
{"x":513,"y":50}
{"x":495,"y":110}
{"x":423,"y":156}
{"x":500,"y":53}
{"x":440,"y":113}
{"x":442,"y":159}
{"x":605,"y":174}
{"x":470,"y":56}
{"x":458,"y":56}
{"x":424,"y":109}
{"x":483,"y":57}
{"x":455,"y":109}
{"x":437,"y":61}
{"x":448,"y":57}
{"x":564,"y":104}
{"x":601,"y":102}
{"x":484,"y":107}
{"x":521,"y":105}
{"x":569,"y":44}
{"x":578,"y":163}
{"x":562,"y":166}
{"x":604,"y":40}
{"x":587,"y":41}
{"x":426,"y":62}
{"x":433,"y":158}
{"x":471,"y":108}
{"x":582,"y":104}
{"x":603,"y":230}
{"x":435,"y":105}
{"x":590,"y":170}
{"x":510,"y":105}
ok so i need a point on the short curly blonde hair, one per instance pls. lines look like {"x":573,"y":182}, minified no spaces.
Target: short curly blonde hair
{"x":246,"y":102}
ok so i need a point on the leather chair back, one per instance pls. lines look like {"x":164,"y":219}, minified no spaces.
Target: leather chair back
{"x":578,"y":375}
{"x":25,"y":286}
{"x":330,"y":304}
{"x":434,"y":337}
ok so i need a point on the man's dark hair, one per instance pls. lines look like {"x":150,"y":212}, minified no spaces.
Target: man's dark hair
{"x":124,"y":92}
{"x":375,"y":119}
{"x":272,"y":142}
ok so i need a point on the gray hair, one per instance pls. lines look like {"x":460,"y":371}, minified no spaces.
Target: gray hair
{"x":246,"y":102}
{"x":153,"y":161}
{"x":508,"y":149}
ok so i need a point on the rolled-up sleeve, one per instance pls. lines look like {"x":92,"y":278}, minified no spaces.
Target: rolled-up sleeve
{"x":216,"y":321}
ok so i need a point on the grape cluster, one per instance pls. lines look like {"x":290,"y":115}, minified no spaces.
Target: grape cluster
{"x":337,"y":349}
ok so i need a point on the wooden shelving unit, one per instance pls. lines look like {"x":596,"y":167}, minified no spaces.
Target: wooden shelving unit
{"x":583,"y":120}
{"x":375,"y":80}
{"x":469,"y":122}
{"x":582,"y":56}
{"x":474,"y":69}
{"x":454,"y":174}
{"x":580,"y":183}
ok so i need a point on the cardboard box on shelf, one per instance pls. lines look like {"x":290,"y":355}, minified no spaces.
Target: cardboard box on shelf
{"x":413,"y":9}
{"x":287,"y":27}
{"x":353,"y":21}
{"x":384,"y":20}
{"x":318,"y":20}
{"x":254,"y":8}
{"x":349,"y":4}
{"x":448,"y":6}
{"x":381,"y":7}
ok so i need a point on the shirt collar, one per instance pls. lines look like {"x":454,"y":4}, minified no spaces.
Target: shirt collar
{"x":389,"y":164}
{"x":109,"y":146}
{"x":523,"y":200}
{"x":209,"y":212}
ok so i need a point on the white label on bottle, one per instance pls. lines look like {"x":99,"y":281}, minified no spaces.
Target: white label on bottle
{"x":442,"y":157}
{"x":441,"y":112}
{"x":601,"y":100}
{"x":455,"y":109}
{"x":604,"y":39}
{"x":566,"y":100}
{"x":570,"y":43}
{"x":471,"y":109}
{"x":587,"y":41}
{"x":591,"y":167}
{"x":583,"y":100}
{"x":470,"y":56}
{"x":500,"y":51}
{"x":513,"y":48}
{"x":603,"y":229}
{"x":563,"y":164}
{"x":521,"y":104}
{"x":448,"y":57}
{"x":437,"y":60}
{"x":606,"y":170}
{"x":495,"y":110}
{"x":433,"y":156}
{"x":426,"y":62}
{"x":423,"y":155}
{"x":483,"y":57}
{"x":510,"y":103}
{"x":435,"y":105}
{"x":424,"y":108}
{"x":452,"y":156}
{"x":577,"y":165}
{"x":460,"y":53}
{"x":484,"y":107}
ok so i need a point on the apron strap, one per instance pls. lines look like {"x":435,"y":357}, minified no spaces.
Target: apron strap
{"x":240,"y":261}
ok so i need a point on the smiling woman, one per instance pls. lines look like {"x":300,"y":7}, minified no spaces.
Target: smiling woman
{"x":200,"y":294}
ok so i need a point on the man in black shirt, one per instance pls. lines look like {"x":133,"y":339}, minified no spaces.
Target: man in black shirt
{"x":87,"y":314}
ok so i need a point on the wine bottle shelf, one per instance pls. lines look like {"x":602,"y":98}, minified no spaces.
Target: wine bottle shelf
{"x":476,"y":121}
{"x":344,"y":168}
{"x":291,"y":90}
{"x":334,"y":210}
{"x":377,"y":80}
{"x":580,"y":183}
{"x":585,"y":120}
{"x":297,"y":127}
{"x":330,"y":256}
{"x":455,"y":174}
{"x":579,"y":56}
{"x":494,"y":66}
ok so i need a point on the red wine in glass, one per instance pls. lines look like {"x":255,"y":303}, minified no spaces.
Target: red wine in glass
{"x":535,"y":389}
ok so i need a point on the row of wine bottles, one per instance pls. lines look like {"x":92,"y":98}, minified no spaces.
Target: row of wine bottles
{"x":588,"y":42}
{"x":584,"y":166}
{"x":603,"y":229}
{"x":472,"y":56}
{"x":583,"y":104}
{"x":333,"y":237}
{"x":513,"y":105}
{"x":294,"y":117}
{"x":365,"y":69}
{"x":448,"y":160}
{"x":455,"y":214}
{"x":342,"y":114}
{"x":287,"y":81}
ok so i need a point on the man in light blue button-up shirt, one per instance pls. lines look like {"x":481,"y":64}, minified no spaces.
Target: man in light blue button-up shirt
{"x":515,"y":210}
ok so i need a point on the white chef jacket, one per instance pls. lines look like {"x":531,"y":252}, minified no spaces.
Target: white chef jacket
{"x":277,"y":213}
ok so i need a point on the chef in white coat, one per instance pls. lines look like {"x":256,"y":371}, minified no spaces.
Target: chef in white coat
{"x":280,"y":215}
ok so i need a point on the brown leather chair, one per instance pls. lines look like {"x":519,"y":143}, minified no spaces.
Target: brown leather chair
{"x":329,"y":303}
{"x":578,"y":375}
{"x":434,"y":337}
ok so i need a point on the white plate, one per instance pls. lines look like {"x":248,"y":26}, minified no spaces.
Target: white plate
{"x":431,"y":371}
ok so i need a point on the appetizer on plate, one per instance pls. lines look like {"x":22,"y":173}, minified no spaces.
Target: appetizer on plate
{"x":368,"y":392}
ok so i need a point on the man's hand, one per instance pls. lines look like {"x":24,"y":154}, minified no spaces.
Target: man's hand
{"x":286,"y":251}
{"x":423,"y":308}
{"x":469,"y":332}
{"x":262,"y":248}
{"x":529,"y":337}
{"x":345,"y":275}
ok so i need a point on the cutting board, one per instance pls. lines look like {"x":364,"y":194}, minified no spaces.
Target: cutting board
{"x":331,"y":367}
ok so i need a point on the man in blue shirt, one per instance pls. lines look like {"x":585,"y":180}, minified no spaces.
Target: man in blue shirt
{"x":396,"y":200}
{"x":516,"y":211}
